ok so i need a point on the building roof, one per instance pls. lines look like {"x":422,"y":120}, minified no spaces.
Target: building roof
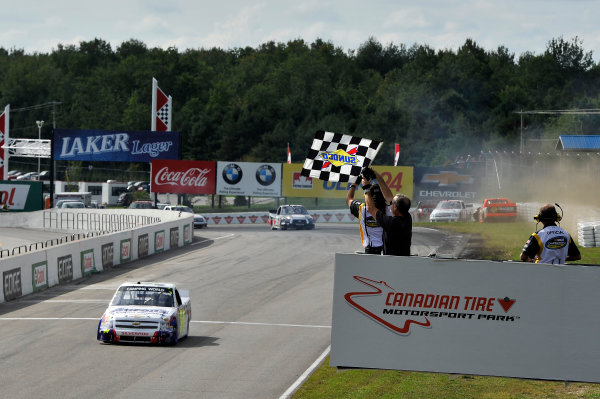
{"x":578,"y":143}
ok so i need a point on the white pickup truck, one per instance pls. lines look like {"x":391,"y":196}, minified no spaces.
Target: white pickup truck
{"x":290,"y":217}
{"x":152,"y":313}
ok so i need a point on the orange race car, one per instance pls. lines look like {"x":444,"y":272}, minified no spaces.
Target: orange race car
{"x":497,"y":209}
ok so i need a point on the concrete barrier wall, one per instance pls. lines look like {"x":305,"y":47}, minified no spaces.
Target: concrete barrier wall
{"x":65,"y":263}
{"x":327,"y":216}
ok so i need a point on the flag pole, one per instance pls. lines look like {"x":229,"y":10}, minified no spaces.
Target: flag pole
{"x":153,"y":113}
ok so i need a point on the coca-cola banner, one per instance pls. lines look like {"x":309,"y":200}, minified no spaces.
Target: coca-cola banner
{"x":183,"y":177}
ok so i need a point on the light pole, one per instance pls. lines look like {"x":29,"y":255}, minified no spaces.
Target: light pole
{"x":39,"y":125}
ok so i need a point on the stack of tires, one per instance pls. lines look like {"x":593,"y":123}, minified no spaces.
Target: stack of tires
{"x":587,"y":233}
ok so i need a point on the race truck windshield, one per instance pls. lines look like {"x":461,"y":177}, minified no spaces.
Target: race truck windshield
{"x":299,"y":210}
{"x":143,"y":296}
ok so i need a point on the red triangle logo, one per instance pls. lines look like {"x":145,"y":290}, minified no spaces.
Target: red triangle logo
{"x":506,"y":303}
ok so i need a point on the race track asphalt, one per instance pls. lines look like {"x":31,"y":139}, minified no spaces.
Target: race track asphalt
{"x":261,"y":315}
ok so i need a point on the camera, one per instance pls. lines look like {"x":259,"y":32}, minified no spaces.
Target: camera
{"x":368,"y":173}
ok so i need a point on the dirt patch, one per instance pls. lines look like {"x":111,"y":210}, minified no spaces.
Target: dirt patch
{"x":476,"y":249}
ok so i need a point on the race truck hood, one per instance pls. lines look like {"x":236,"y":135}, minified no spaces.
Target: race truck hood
{"x":146,"y":312}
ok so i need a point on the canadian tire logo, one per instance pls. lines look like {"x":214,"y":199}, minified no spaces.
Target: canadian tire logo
{"x":350,"y":297}
{"x":400,"y":310}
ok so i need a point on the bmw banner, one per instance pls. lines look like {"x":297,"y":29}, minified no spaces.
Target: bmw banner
{"x":120,"y":146}
{"x":249,"y":179}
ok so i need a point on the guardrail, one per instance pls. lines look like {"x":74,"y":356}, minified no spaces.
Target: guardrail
{"x":95,"y":221}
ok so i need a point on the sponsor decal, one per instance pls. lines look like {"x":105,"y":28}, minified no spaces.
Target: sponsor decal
{"x":339,"y":216}
{"x":399,"y":311}
{"x":216,"y":219}
{"x":187,"y":235}
{"x":241,"y":219}
{"x":125,"y":250}
{"x":39,"y":273}
{"x":232,"y":173}
{"x":65,"y":268}
{"x":300,"y":182}
{"x":253,"y":218}
{"x":143,"y":245}
{"x":159,"y":241}
{"x":265,"y":175}
{"x":174,"y":237}
{"x":556,"y":242}
{"x":108,"y":252}
{"x":265,"y":218}
{"x":228,"y":219}
{"x":11,"y":280}
{"x":327,"y":216}
{"x":87,"y":262}
{"x":338,"y":157}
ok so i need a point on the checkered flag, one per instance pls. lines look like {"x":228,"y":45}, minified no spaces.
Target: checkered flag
{"x":338,"y":157}
{"x":161,"y":109}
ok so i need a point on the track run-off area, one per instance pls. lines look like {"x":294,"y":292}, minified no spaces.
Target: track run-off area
{"x":261,"y":316}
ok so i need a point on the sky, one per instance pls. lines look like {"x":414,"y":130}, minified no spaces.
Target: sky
{"x":519,"y":25}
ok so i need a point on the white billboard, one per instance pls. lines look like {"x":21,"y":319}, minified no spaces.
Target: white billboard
{"x":257,"y":179}
{"x":467,"y":317}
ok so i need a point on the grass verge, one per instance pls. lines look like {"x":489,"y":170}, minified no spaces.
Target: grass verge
{"x":497,"y":241}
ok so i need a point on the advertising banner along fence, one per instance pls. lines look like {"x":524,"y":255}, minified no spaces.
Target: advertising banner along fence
{"x":183,"y":177}
{"x":294,"y":184}
{"x":120,"y":146}
{"x":249,"y":179}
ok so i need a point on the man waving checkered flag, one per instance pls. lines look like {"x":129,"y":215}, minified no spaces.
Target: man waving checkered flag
{"x":338,"y":157}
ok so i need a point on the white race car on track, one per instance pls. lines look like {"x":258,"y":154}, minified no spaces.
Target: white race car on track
{"x":146,"y":313}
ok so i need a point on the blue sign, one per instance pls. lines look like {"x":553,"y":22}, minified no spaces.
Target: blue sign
{"x":120,"y":146}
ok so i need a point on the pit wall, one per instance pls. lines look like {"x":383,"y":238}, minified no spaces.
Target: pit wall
{"x":65,"y":263}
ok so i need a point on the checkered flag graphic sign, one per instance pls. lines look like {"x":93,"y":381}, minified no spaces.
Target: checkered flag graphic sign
{"x":162,"y":111}
{"x":338,"y":157}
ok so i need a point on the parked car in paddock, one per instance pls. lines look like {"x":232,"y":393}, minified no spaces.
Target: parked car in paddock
{"x":141,"y":205}
{"x":497,"y":209}
{"x":290,"y":217}
{"x":199,"y":220}
{"x":146,"y":312}
{"x":450,"y":211}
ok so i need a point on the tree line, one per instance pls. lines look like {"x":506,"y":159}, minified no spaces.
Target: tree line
{"x":247,"y":104}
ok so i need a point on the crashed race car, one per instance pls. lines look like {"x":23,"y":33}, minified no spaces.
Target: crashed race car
{"x":497,"y":209}
{"x":154,"y":313}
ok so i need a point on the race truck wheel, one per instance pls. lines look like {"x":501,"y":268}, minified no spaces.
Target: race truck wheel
{"x":174,"y":337}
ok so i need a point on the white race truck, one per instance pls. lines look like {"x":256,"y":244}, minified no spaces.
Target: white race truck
{"x":153,"y":313}
{"x":290,"y":217}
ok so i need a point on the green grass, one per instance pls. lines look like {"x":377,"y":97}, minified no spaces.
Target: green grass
{"x":504,"y":241}
{"x":500,"y":241}
{"x":328,"y":382}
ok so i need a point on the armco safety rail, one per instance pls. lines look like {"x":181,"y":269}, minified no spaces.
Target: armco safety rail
{"x":95,"y":221}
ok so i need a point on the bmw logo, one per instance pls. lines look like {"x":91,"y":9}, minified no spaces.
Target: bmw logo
{"x":232,"y":173}
{"x":265,"y":175}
